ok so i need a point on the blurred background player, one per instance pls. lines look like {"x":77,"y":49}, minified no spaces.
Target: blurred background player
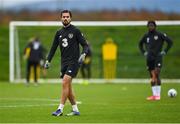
{"x":151,"y":46}
{"x":33,"y":52}
{"x":68,"y":39}
{"x":86,"y":66}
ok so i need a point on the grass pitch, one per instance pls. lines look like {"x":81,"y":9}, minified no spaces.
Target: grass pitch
{"x":105,"y":103}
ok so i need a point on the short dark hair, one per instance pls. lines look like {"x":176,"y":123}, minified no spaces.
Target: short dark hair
{"x":151,"y":22}
{"x":66,"y":11}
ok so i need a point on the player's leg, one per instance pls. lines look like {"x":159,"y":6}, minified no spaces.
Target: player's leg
{"x":158,"y":80}
{"x":59,"y":111}
{"x":28,"y":71}
{"x":64,"y":94}
{"x":35,"y":72}
{"x":65,"y":88}
{"x":151,"y":69}
{"x":71,"y":97}
{"x":158,"y":83}
{"x":72,"y":72}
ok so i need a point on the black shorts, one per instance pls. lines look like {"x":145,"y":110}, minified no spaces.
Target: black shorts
{"x":70,"y":70}
{"x":154,"y":62}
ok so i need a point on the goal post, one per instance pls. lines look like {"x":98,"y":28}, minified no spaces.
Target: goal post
{"x":14,"y":60}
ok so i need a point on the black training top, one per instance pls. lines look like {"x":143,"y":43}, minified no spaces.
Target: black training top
{"x":68,"y":39}
{"x":153,"y":42}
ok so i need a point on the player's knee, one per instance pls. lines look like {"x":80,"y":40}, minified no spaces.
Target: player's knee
{"x":152,"y":82}
{"x":66,"y":81}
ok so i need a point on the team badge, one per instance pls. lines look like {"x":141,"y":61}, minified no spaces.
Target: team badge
{"x":155,"y":37}
{"x":70,"y":35}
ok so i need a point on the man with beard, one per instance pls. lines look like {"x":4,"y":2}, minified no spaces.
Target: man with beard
{"x":68,"y":38}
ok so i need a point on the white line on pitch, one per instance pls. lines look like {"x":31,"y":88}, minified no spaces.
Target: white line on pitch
{"x":31,"y":99}
{"x":17,"y":106}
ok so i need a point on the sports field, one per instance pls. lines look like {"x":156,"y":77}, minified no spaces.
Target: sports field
{"x":106,"y":103}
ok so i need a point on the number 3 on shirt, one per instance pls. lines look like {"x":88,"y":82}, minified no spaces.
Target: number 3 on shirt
{"x":64,"y":42}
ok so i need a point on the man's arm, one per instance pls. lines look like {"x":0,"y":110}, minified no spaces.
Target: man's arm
{"x":141,"y":45}
{"x":168,"y":41}
{"x":85,"y":46}
{"x":82,"y":41}
{"x":53,"y":48}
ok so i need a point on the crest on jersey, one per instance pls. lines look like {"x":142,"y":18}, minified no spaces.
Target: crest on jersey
{"x":70,"y":35}
{"x":147,"y":40}
{"x":155,"y":37}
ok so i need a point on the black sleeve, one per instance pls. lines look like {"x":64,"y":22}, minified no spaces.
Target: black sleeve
{"x":82,"y":41}
{"x":141,"y":44}
{"x":53,"y":48}
{"x":168,"y":41}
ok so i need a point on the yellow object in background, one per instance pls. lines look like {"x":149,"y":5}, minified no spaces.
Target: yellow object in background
{"x":27,"y":52}
{"x":109,"y":50}
{"x":32,"y":73}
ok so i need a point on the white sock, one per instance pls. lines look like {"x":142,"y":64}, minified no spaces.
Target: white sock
{"x":61,"y":106}
{"x":154,"y":90}
{"x":158,"y":90}
{"x":75,"y":108}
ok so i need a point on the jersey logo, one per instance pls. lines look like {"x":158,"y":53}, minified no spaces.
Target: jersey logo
{"x":147,"y":40}
{"x":155,"y":37}
{"x":64,"y":42}
{"x":69,"y":71}
{"x":70,"y":35}
{"x":60,"y":36}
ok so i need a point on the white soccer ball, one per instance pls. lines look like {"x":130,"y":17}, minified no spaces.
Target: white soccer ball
{"x":172,"y":93}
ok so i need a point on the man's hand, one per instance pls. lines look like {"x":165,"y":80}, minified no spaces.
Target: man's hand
{"x":47,"y":64}
{"x":145,"y":53}
{"x":162,"y":53}
{"x":81,"y":58}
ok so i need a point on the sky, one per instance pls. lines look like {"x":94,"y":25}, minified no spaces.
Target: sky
{"x":10,"y":3}
{"x":85,"y":5}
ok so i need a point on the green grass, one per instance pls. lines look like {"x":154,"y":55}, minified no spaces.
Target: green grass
{"x":106,"y":103}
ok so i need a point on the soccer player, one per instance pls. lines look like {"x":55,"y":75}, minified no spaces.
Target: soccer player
{"x":151,"y":46}
{"x":34,"y":54}
{"x":68,"y":39}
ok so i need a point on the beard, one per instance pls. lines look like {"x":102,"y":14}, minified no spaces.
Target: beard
{"x":66,"y":22}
